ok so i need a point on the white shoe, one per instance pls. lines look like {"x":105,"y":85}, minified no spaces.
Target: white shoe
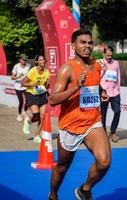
{"x":26,"y":126}
{"x":19,"y":118}
{"x":37,"y":139}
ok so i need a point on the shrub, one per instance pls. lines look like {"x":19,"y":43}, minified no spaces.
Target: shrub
{"x":117,"y":56}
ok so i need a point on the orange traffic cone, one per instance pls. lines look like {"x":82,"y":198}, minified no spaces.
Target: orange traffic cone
{"x":45,"y":160}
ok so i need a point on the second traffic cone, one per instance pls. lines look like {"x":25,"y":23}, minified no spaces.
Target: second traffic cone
{"x":45,"y":160}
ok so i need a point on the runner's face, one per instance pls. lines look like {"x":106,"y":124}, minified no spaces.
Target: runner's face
{"x":41,"y":61}
{"x":108,"y":55}
{"x":22,"y":61}
{"x":83,"y":46}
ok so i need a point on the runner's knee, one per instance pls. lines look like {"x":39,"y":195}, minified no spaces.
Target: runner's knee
{"x":36,"y":117}
{"x":103,"y":162}
{"x":62,"y":168}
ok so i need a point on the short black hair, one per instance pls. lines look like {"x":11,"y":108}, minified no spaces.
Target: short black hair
{"x":108,"y":48}
{"x":37,"y":56}
{"x":78,"y":33}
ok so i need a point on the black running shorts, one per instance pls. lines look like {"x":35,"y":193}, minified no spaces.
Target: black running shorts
{"x":36,"y":99}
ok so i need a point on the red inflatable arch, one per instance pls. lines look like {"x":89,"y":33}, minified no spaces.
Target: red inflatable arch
{"x":3,"y":62}
{"x":56,"y":24}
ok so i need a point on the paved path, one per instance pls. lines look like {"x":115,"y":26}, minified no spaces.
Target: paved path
{"x":13,"y":139}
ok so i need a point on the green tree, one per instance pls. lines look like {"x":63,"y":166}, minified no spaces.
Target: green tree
{"x":111,"y":20}
{"x":19,"y":30}
{"x":108,"y":16}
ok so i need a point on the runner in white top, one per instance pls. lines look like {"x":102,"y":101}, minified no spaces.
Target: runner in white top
{"x":18,"y":73}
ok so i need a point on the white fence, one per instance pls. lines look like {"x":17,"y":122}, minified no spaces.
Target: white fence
{"x":7,"y":91}
{"x":8,"y":97}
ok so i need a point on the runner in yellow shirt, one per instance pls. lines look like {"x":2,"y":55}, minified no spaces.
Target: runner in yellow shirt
{"x":37,"y":83}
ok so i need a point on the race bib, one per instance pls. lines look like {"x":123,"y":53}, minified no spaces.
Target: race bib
{"x":89,"y":97}
{"x":40,"y":89}
{"x":111,"y":75}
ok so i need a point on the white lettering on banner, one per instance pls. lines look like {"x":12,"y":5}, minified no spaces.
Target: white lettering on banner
{"x":49,"y":145}
{"x":62,"y":8}
{"x":52,"y":51}
{"x":52,"y":57}
{"x":69,"y":52}
{"x":63,"y":24}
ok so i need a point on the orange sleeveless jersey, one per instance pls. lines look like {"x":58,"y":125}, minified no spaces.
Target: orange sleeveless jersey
{"x":71,"y":117}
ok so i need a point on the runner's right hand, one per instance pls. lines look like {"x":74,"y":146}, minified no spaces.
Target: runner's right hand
{"x":81,"y":79}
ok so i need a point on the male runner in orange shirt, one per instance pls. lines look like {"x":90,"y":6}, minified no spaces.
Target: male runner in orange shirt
{"x":77,"y":90}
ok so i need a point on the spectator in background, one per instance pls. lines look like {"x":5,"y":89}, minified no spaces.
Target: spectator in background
{"x":37,"y":83}
{"x":110,"y":82}
{"x":18,"y":73}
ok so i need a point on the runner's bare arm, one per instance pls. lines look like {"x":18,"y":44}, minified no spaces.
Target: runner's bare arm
{"x":25,"y":82}
{"x":14,"y":77}
{"x":60,"y":91}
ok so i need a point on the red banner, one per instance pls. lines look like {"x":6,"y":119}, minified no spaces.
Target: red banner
{"x":56,"y":24}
